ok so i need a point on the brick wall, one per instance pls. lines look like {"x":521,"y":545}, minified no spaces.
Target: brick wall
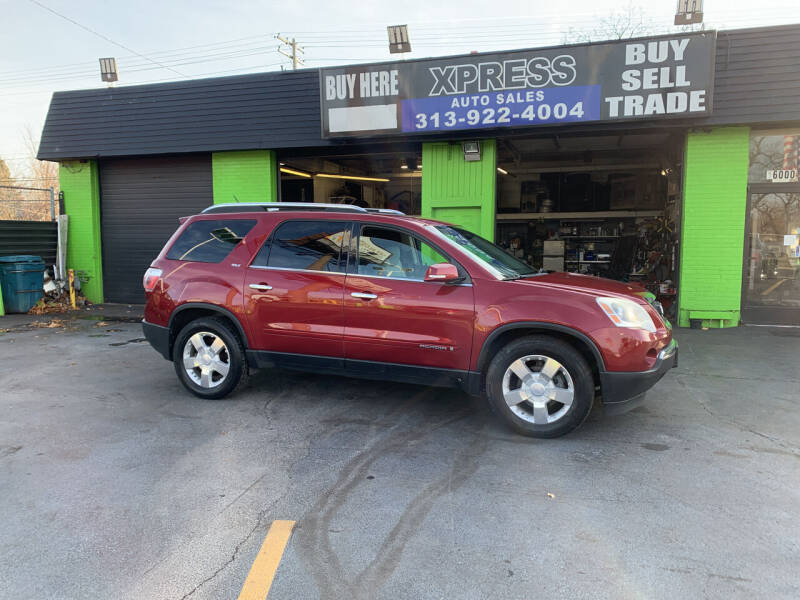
{"x":81,"y":189}
{"x":246,"y":176}
{"x":714,"y":208}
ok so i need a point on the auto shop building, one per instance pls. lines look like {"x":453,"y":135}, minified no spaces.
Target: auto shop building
{"x":669,"y":160}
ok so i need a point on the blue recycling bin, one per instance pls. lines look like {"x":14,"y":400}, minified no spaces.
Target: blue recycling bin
{"x":21,"y":280}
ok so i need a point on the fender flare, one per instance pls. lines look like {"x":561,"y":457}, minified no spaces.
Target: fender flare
{"x":483,"y":358}
{"x":211,"y":307}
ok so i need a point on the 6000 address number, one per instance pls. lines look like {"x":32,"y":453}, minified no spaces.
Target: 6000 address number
{"x":499,"y":116}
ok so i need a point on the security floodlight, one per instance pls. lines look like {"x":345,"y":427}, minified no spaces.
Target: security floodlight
{"x":108,"y":70}
{"x":472,"y":151}
{"x":689,"y":12}
{"x":398,"y":39}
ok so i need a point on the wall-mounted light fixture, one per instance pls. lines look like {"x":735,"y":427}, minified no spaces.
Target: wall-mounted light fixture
{"x":289,"y":171}
{"x":472,"y":151}
{"x":398,"y":39}
{"x":108,"y":70}
{"x":689,"y":12}
{"x":502,"y":171}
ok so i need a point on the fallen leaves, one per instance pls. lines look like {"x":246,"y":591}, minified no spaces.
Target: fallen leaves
{"x":47,"y":324}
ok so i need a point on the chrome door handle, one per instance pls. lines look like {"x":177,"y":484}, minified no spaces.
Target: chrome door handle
{"x":364,"y":295}
{"x":260,"y":286}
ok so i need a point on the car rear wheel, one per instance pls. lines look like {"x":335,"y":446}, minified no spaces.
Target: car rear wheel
{"x":541,"y":386}
{"x":209,"y":358}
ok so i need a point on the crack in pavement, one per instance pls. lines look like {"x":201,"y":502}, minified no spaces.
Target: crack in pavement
{"x":235,"y":553}
{"x":313,"y":540}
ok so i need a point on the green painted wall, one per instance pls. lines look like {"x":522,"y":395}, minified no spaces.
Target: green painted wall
{"x":245,"y":176}
{"x":457,"y":191}
{"x":712,"y":234}
{"x":81,"y":189}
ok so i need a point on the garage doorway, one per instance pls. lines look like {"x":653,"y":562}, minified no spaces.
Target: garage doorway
{"x":140,"y":203}
{"x":369,"y":179}
{"x":597,"y":204}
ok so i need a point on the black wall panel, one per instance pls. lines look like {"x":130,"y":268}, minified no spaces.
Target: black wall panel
{"x":140,"y":202}
{"x":39,"y":238}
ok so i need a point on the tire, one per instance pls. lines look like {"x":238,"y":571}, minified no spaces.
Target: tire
{"x":209,"y":379}
{"x":548,"y":383}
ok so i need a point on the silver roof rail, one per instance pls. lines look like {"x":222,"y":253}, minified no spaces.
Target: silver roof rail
{"x":386,"y":211}
{"x":276,"y":206}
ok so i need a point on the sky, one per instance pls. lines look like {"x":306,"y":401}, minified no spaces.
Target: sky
{"x":162,"y":40}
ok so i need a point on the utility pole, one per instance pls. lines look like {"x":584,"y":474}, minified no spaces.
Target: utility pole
{"x":296,"y":60}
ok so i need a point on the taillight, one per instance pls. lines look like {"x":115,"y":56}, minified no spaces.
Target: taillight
{"x":151,"y":277}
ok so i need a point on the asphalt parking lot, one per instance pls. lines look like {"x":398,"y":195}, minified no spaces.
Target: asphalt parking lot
{"x":116,"y":483}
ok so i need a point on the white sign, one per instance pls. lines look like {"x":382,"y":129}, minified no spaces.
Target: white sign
{"x":782,"y":175}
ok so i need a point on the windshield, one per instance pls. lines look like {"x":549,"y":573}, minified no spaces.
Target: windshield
{"x":493,"y":256}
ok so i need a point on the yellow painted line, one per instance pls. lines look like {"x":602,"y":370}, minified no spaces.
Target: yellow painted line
{"x":259,"y":579}
{"x":771,"y":288}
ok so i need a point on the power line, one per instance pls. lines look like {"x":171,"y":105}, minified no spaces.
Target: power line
{"x":101,"y":36}
{"x":214,"y":57}
{"x":432,"y":37}
{"x":124,"y":85}
{"x":162,"y":54}
{"x":422,"y":32}
{"x":239,"y":48}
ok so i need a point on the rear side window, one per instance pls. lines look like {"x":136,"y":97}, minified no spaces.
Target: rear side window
{"x":307,"y":246}
{"x":209,"y":241}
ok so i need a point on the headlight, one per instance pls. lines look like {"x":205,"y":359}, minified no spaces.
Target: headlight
{"x":626,"y":313}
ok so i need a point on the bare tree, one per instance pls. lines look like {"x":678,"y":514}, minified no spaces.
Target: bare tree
{"x":628,"y":22}
{"x":23,"y":203}
{"x":9,"y":198}
{"x":43,"y":173}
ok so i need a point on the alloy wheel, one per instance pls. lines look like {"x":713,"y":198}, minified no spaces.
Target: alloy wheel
{"x":206,"y":359}
{"x":538,"y":389}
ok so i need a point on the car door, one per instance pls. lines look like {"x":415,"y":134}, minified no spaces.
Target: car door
{"x":391,"y":315}
{"x":294,"y":289}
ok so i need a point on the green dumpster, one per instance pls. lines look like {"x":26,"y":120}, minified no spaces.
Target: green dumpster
{"x":21,"y":281}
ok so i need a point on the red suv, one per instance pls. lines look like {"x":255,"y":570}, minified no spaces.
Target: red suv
{"x":375,"y":294}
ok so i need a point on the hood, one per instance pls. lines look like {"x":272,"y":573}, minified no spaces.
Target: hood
{"x":590,"y":284}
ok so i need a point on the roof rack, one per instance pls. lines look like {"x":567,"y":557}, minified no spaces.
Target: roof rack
{"x":277,"y":206}
{"x":386,"y":211}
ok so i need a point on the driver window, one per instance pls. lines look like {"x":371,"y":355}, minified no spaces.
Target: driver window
{"x":392,"y":253}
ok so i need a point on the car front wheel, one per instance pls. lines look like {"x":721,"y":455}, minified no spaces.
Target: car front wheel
{"x":541,"y":386}
{"x":209,"y":358}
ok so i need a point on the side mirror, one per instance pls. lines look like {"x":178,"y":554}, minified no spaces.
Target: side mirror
{"x":442,"y":272}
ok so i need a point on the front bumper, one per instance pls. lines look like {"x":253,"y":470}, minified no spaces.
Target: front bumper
{"x":158,"y":337}
{"x":622,"y":391}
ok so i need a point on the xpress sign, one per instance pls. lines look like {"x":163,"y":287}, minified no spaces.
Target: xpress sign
{"x":651,"y":78}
